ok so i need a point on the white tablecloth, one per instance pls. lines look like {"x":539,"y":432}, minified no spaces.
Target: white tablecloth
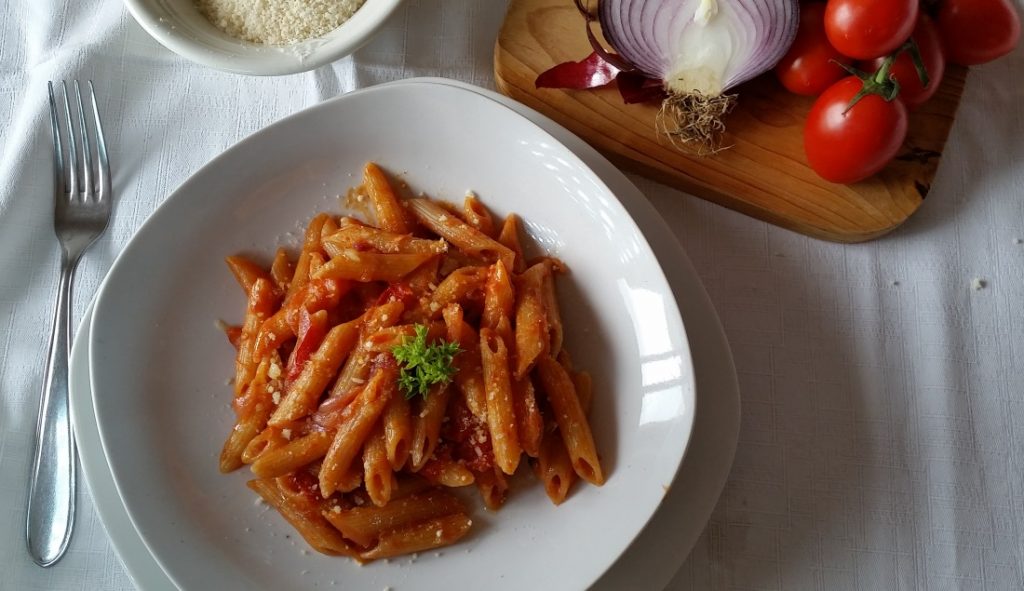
{"x":881,"y":393}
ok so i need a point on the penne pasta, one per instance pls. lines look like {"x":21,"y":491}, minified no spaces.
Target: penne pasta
{"x":390,"y":214}
{"x":445,"y":472}
{"x":464,"y":286}
{"x":463,"y":236}
{"x":371,"y":266}
{"x":305,"y":517}
{"x":554,"y":468}
{"x":302,"y":395}
{"x":330,"y":226}
{"x":293,"y":455}
{"x":281,"y":270}
{"x":316,"y":260}
{"x":509,"y":238}
{"x":246,"y":272}
{"x":351,"y":479}
{"x":531,"y":334}
{"x":436,"y":533}
{"x":397,"y":431}
{"x":268,"y":439}
{"x":354,"y":372}
{"x":426,"y":426}
{"x":469,"y":376}
{"x":357,"y":422}
{"x":347,"y":221}
{"x":313,"y":297}
{"x":421,"y":284}
{"x":410,"y":484}
{"x":501,"y":418}
{"x":310,"y":245}
{"x":477,"y":216}
{"x":499,"y":296}
{"x":423,"y":281}
{"x":273,"y":332}
{"x":529,"y":423}
{"x":377,"y":471}
{"x":572,"y":422}
{"x":551,"y":310}
{"x":253,"y":409}
{"x":493,"y":488}
{"x":386,"y":339}
{"x":366,"y":238}
{"x":365,"y":525}
{"x":261,"y":301}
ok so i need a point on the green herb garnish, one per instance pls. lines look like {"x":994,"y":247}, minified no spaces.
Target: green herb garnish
{"x":423,"y":365}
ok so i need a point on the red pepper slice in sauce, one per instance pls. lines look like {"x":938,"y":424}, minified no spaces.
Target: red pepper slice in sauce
{"x":396,"y":292}
{"x":312,"y":330}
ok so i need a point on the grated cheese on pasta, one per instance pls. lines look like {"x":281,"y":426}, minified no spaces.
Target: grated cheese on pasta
{"x":277,"y":22}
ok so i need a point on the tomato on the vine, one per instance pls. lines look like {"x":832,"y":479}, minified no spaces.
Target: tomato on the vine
{"x":866,"y":29}
{"x":978,"y":31}
{"x":912,"y":92}
{"x":847,"y":144}
{"x":809,"y":67}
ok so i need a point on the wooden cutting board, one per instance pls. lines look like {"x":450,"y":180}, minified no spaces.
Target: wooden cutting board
{"x":763,"y":174}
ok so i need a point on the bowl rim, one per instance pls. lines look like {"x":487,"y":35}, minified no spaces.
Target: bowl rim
{"x":271,"y":63}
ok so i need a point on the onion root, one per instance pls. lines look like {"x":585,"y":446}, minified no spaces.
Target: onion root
{"x":693,"y":122}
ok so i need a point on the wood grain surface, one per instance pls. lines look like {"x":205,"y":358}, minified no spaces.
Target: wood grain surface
{"x":764,"y":173}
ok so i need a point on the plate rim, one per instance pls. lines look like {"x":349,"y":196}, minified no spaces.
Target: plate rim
{"x":109,"y":508}
{"x":687,"y":388}
{"x":689,"y":284}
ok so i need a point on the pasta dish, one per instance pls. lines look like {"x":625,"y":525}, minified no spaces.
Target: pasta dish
{"x":389,"y":365}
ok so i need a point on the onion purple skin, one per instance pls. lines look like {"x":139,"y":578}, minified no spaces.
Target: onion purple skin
{"x":645,"y":33}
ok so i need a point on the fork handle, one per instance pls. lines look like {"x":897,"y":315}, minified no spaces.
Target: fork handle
{"x":51,"y":493}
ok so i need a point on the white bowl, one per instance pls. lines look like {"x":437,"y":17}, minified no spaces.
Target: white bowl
{"x":179,"y":26}
{"x":158,"y":364}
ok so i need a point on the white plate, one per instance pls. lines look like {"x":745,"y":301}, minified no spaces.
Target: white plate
{"x":158,"y":366}
{"x":141,"y":567}
{"x":659,"y":550}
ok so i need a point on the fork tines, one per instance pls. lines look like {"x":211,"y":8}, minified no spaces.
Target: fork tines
{"x":90,"y":178}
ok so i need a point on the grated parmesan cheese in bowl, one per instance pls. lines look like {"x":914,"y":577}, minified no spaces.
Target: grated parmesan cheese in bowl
{"x":277,"y":22}
{"x":262,"y":37}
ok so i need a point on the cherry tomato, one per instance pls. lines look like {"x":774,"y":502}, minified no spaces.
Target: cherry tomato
{"x":846,"y":146}
{"x":978,"y":31}
{"x":866,"y":29}
{"x":807,"y":68}
{"x":912,"y":92}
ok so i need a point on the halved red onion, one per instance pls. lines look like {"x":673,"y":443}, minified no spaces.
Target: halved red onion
{"x":689,"y":53}
{"x":700,"y":46}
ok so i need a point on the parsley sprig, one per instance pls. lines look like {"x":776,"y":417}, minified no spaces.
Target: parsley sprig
{"x":423,"y":365}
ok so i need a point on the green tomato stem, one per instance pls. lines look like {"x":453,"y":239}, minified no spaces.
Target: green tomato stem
{"x":915,"y":56}
{"x":881,"y":82}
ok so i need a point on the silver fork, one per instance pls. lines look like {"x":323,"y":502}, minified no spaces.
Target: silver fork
{"x":81,"y":210}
